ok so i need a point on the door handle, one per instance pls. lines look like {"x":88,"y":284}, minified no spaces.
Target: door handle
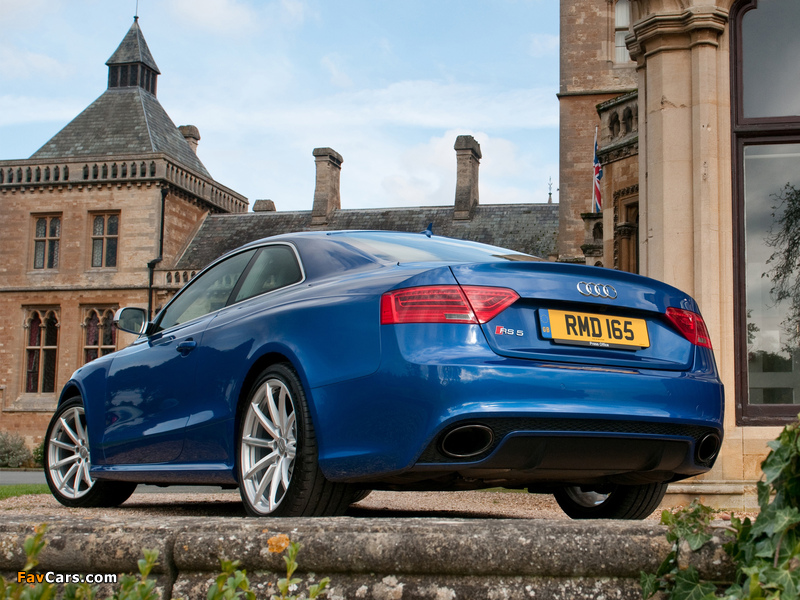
{"x":186,"y":346}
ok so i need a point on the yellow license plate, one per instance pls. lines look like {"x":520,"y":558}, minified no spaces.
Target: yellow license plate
{"x":597,"y":331}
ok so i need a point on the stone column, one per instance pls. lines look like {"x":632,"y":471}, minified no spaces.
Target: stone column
{"x":684,"y":89}
{"x":326,"y":193}
{"x":685,"y":211}
{"x":468,"y":157}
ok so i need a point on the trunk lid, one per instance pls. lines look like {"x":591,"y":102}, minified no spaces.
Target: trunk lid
{"x":586,"y":315}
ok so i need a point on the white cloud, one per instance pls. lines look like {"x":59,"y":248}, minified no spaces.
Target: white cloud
{"x":228,"y":17}
{"x":543,"y":45}
{"x":21,"y":64}
{"x":295,"y":12}
{"x":15,"y":110}
{"x":338,"y":77}
{"x":424,"y":104}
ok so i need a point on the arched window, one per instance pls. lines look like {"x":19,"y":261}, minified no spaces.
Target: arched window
{"x":765,"y":99}
{"x":627,"y":120}
{"x":613,"y":125}
{"x":597,"y":233}
{"x":41,"y":351}
{"x":100,"y":334}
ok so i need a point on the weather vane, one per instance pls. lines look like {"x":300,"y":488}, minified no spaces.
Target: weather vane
{"x":136,"y":16}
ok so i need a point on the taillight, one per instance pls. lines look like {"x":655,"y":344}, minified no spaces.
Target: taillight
{"x":488,"y":302}
{"x":691,"y":326}
{"x":445,"y":304}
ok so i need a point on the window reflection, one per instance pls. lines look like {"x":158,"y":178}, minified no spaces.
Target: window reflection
{"x":770,"y":69}
{"x":773,"y":355}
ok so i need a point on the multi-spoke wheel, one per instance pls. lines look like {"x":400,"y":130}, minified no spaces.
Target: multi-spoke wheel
{"x":617,"y":502}
{"x":278,"y":469}
{"x":67,"y":462}
{"x":269,"y":445}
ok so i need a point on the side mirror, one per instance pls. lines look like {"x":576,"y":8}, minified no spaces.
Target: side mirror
{"x":131,"y":319}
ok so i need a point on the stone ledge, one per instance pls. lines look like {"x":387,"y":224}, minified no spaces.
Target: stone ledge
{"x":371,"y":558}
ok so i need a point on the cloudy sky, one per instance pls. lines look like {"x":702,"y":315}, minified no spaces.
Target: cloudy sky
{"x":389,"y":85}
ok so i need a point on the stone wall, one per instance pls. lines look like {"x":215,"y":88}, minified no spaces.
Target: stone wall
{"x":373,"y":558}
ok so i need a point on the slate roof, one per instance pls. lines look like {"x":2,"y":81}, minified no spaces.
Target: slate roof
{"x":529,"y":228}
{"x":125,"y":120}
{"x":133,"y":49}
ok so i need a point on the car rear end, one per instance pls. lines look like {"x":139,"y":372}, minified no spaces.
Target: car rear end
{"x":533,"y":373}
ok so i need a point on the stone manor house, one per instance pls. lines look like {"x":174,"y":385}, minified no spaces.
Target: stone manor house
{"x":118,"y":210}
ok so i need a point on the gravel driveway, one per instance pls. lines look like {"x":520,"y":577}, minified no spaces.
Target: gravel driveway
{"x":470,"y":505}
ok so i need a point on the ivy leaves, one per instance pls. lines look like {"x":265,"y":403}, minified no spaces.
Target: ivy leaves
{"x":766,"y":552}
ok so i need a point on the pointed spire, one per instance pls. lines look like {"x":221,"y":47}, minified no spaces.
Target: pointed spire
{"x":132,"y":64}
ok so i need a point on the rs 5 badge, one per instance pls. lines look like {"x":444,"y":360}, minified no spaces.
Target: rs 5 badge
{"x":500,"y":330}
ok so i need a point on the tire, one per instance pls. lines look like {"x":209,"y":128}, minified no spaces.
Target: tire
{"x":359,"y":495}
{"x":278,"y":470}
{"x":67,"y":462}
{"x":622,"y":502}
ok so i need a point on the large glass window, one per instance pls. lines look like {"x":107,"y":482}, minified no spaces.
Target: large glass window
{"x":771,"y":186}
{"x":41,"y":351}
{"x":766,"y":146}
{"x":770,"y":67}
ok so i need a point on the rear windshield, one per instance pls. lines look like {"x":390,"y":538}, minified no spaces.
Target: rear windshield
{"x":417,"y":247}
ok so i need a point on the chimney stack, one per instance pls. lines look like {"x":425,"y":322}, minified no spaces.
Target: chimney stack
{"x":326,"y":193}
{"x":264,"y":206}
{"x":191,"y":134}
{"x":468,"y":157}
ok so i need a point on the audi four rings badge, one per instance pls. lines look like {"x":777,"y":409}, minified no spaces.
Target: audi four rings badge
{"x":597,"y":290}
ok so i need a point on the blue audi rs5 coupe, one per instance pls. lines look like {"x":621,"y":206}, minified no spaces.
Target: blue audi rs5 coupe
{"x":308,"y":369}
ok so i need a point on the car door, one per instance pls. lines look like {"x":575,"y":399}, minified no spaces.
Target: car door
{"x":229,"y":343}
{"x":152,"y":388}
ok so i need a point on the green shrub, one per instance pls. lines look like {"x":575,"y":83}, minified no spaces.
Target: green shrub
{"x":38,"y":455}
{"x":230,"y":584}
{"x":13,"y":451}
{"x":766,"y":552}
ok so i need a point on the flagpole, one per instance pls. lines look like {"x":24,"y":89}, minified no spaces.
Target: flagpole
{"x":594,"y":177}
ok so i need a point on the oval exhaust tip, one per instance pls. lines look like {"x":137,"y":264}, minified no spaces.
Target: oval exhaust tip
{"x":467,"y":441}
{"x":707,"y":448}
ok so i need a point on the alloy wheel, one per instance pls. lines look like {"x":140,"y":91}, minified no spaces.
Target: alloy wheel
{"x":68,"y":454}
{"x":269,"y":446}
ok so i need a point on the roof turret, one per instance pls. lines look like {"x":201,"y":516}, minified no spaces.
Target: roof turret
{"x":132,"y":64}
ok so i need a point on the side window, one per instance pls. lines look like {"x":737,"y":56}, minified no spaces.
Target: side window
{"x":274,"y":267}
{"x":207,"y":293}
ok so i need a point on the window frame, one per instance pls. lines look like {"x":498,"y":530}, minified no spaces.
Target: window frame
{"x":615,"y":31}
{"x":47,"y":240}
{"x":748,"y":132}
{"x":157,"y":328}
{"x":44,"y":313}
{"x":104,"y":237}
{"x":105,"y":316}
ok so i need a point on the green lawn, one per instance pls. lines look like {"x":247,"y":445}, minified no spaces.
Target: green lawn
{"x":23,"y":489}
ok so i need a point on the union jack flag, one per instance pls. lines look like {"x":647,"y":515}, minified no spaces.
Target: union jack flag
{"x":597,"y":201}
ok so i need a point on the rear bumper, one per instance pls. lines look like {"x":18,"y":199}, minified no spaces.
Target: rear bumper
{"x":550,"y":421}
